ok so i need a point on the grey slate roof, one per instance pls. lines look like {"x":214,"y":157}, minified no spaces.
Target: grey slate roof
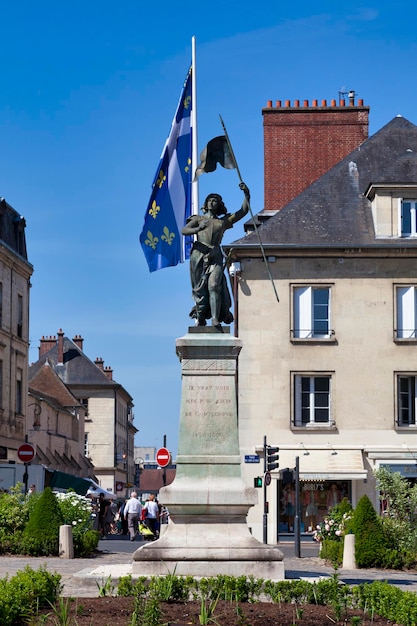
{"x":12,"y":229}
{"x":333,"y":211}
{"x":77,"y":368}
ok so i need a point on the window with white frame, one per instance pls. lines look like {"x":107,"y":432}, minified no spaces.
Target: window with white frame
{"x":311,"y":306}
{"x":312,"y":400}
{"x":408,"y":221}
{"x":407,"y":399}
{"x":406,"y":312}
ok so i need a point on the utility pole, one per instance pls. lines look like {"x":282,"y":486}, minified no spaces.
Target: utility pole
{"x":297,"y":526}
{"x":164,"y":471}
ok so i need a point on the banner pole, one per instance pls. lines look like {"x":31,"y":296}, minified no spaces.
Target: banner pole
{"x":268,"y":269}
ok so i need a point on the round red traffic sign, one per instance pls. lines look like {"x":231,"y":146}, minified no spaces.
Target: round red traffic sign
{"x":163,"y":457}
{"x":26,"y":452}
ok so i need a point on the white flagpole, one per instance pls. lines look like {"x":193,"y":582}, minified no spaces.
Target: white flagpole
{"x":194,"y":154}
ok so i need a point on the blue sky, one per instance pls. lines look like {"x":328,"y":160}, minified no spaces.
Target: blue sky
{"x":88,"y":92}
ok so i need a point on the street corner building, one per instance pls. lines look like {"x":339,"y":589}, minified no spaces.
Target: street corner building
{"x":328,"y":372}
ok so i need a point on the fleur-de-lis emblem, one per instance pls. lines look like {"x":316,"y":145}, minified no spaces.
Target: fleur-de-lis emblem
{"x":167,"y":236}
{"x":151,"y":241}
{"x":187,"y":102}
{"x":154,"y":210}
{"x":161,"y":179}
{"x":187,"y":167}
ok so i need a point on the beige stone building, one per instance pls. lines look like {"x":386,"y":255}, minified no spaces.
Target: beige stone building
{"x":328,"y":373}
{"x":108,"y":434}
{"x":56,"y":428}
{"x":15,"y":273}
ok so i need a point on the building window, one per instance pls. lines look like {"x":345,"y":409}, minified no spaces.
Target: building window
{"x":311,"y":306}
{"x":408,"y":225}
{"x":312,"y":399}
{"x":406,"y":401}
{"x":1,"y":305}
{"x":406,"y":313}
{"x":19,"y":394}
{"x":86,"y":451}
{"x":20,"y":316}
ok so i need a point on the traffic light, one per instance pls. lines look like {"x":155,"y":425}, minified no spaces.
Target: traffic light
{"x":287,"y":476}
{"x":257,"y":481}
{"x":272,"y":458}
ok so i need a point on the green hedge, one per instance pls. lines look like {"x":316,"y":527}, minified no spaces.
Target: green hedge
{"x":26,"y":592}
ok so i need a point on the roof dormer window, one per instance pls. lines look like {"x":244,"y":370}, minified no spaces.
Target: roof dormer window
{"x":407,"y":213}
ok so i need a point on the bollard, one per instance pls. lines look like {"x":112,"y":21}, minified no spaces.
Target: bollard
{"x":66,"y":544}
{"x":349,"y":552}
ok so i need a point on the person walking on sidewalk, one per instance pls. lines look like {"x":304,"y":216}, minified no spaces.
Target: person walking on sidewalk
{"x":152,"y":515}
{"x":132,"y":513}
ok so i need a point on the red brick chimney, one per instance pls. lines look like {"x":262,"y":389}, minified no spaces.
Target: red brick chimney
{"x":100,"y":363}
{"x":46,"y":344}
{"x":79,"y":341}
{"x":60,"y":358}
{"x":301,"y":143}
{"x":109,"y":372}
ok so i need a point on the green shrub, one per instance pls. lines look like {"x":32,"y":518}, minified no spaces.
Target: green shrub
{"x":332,"y":550}
{"x":14,"y":511}
{"x":41,"y":533}
{"x":370,"y":544}
{"x":85,"y":544}
{"x":25,"y":592}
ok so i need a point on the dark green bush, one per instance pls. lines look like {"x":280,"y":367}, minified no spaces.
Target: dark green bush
{"x":85,"y":544}
{"x":25,"y":592}
{"x":332,"y":550}
{"x":370,"y":543}
{"x":41,"y":533}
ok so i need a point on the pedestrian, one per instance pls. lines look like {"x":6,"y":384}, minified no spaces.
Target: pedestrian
{"x":132,"y":513}
{"x":152,"y":515}
{"x":110,"y":515}
{"x":102,"y":515}
{"x":122,"y":518}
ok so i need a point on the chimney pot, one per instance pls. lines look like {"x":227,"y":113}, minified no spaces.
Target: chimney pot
{"x":341,"y":103}
{"x":324,"y":103}
{"x":287,"y":103}
{"x":306,"y":103}
{"x":269,"y":104}
{"x":278,"y":104}
{"x":79,"y":341}
{"x":315,"y":102}
{"x":296,"y":103}
{"x":333,"y":103}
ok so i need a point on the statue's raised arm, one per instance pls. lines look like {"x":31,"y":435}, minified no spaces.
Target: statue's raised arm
{"x":210,"y":291}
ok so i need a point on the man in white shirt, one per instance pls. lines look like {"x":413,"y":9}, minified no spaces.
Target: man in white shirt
{"x":132,"y":513}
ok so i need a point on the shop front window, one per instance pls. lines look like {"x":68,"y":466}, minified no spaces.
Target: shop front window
{"x":317,"y":498}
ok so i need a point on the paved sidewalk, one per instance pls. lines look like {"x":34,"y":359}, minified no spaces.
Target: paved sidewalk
{"x":82,"y":577}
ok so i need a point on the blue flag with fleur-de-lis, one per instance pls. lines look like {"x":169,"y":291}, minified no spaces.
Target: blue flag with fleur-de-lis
{"x":170,"y":202}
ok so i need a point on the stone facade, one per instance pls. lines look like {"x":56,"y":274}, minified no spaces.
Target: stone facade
{"x":15,"y":273}
{"x":328,"y":373}
{"x":108,"y":433}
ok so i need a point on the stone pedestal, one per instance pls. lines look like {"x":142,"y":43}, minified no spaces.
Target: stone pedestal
{"x":349,"y":552}
{"x":208,"y":501}
{"x":66,"y":544}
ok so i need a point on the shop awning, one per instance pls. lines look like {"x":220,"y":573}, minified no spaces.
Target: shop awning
{"x":328,"y":464}
{"x":60,"y":480}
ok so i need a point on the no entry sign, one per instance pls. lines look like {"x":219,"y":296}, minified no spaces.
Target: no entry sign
{"x":163,"y":457}
{"x":26,"y":453}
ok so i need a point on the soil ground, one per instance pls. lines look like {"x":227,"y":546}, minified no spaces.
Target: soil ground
{"x":117,"y":611}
